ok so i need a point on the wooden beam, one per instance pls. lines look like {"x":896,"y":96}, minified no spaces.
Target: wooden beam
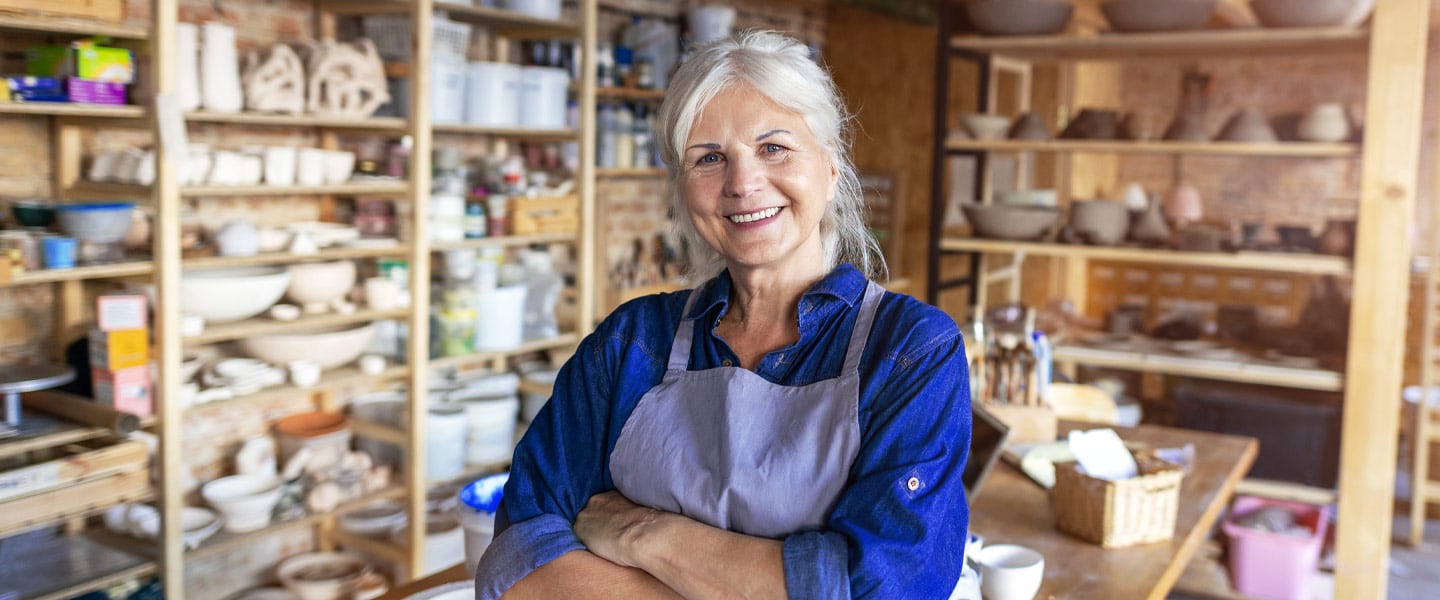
{"x":422,"y":16}
{"x":590,"y":265}
{"x":1389,"y":176}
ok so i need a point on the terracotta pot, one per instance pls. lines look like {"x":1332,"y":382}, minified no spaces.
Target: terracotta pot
{"x":1029,"y":127}
{"x":311,"y":424}
{"x":1149,"y":226}
{"x":1325,"y":123}
{"x":1019,"y":17}
{"x":1184,"y":206}
{"x":1092,"y":124}
{"x":1338,"y":237}
{"x":1099,"y":222}
{"x":1248,"y":125}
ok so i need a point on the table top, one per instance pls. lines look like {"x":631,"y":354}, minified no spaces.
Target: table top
{"x":1010,"y":508}
{"x":450,"y":575}
{"x":29,"y":378}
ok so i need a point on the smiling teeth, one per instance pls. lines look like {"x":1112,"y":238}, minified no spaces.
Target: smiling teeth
{"x":755,"y":216}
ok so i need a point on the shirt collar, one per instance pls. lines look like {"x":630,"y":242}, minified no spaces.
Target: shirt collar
{"x":845,"y":283}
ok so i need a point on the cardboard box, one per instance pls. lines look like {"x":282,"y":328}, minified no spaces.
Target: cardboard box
{"x":125,"y":390}
{"x":116,"y":312}
{"x":84,"y":60}
{"x":119,"y":350}
{"x":104,"y":10}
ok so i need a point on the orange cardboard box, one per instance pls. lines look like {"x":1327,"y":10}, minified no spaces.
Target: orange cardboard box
{"x":118,"y":350}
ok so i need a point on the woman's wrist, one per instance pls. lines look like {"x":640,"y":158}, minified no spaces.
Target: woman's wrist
{"x":651,"y":541}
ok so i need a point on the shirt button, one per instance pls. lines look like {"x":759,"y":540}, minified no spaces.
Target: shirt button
{"x":725,"y":362}
{"x":913,"y":483}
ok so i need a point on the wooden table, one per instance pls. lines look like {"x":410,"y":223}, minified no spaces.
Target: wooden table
{"x":452,"y":574}
{"x":1010,"y":508}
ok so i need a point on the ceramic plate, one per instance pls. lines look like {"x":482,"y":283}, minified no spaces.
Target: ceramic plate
{"x":460,"y":590}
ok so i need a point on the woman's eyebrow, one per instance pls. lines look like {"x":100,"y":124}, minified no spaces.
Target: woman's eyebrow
{"x":706,"y":146}
{"x":770,"y":133}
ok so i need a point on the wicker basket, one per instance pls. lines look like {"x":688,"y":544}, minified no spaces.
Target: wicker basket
{"x":530,"y":215}
{"x":1115,"y":514}
{"x":392,"y":36}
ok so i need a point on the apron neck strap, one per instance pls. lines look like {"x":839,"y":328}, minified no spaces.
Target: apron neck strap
{"x":863,"y":322}
{"x":680,"y":348}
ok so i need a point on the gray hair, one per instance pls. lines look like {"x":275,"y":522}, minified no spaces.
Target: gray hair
{"x":780,"y":68}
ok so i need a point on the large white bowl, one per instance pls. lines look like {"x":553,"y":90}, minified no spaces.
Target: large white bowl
{"x":223,"y":295}
{"x":328,"y":347}
{"x":246,"y":501}
{"x":320,"y":282}
{"x":322,"y":575}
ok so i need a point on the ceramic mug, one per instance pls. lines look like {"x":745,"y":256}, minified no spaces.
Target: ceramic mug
{"x":381,"y":293}
{"x":304,"y":373}
{"x":310,"y":166}
{"x":1010,"y":572}
{"x":280,"y":165}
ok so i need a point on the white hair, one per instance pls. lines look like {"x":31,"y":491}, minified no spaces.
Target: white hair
{"x":780,"y":68}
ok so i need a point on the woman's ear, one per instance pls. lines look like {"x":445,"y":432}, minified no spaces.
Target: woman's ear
{"x":834,"y":179}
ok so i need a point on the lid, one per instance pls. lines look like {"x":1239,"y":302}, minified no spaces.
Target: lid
{"x":484,"y":494}
{"x":95,"y":206}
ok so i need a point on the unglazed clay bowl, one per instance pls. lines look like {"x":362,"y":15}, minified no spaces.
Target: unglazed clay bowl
{"x":1019,"y":17}
{"x":1011,"y":222}
{"x":1100,"y":222}
{"x":320,"y":282}
{"x":984,"y":126}
{"x":1029,"y":127}
{"x":1306,"y":13}
{"x":1153,"y":15}
{"x":223,"y":295}
{"x":1249,"y":126}
{"x":328,"y":347}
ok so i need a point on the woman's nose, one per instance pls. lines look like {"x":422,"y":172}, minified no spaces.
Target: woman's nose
{"x":743,"y":177}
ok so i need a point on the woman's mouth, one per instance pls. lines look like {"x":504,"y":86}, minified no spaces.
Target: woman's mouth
{"x":751,"y":217}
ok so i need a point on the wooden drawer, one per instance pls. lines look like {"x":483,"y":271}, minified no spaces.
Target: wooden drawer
{"x":81,"y":477}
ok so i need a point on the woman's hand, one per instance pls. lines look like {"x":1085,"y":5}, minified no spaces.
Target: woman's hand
{"x":612,"y":526}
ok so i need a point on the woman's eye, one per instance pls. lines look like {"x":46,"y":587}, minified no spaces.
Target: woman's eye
{"x":772,"y":148}
{"x":708,"y":158}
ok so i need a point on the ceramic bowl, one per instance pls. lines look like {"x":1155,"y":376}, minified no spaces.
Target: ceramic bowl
{"x":33,"y":213}
{"x":1047,"y":197}
{"x":329,"y":347}
{"x":338,"y":166}
{"x":986,"y":127}
{"x":270,"y":593}
{"x":1307,"y":13}
{"x":1029,"y":127}
{"x":1100,"y":222}
{"x":326,"y":234}
{"x":1249,"y":126}
{"x":320,"y":282}
{"x":1093,"y":124}
{"x":1019,"y":17}
{"x":1150,"y":15}
{"x":376,"y":520}
{"x":1010,"y":222}
{"x":246,"y":501}
{"x":274,"y":239}
{"x":224,"y":295}
{"x":102,"y":223}
{"x":197,"y":523}
{"x":322,"y":575}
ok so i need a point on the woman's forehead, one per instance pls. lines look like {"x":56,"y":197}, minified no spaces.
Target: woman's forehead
{"x":741,"y":108}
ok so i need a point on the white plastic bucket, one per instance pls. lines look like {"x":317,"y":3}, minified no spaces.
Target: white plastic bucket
{"x":492,"y":94}
{"x":532,"y":401}
{"x":491,"y":433}
{"x":710,"y":23}
{"x":500,"y":324}
{"x":545,"y":9}
{"x":444,"y":542}
{"x":447,"y":90}
{"x":445,"y":427}
{"x":476,"y":512}
{"x":542,"y":97}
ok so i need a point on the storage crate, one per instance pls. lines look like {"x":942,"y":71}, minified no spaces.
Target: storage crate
{"x":1274,"y":565}
{"x":103,"y":10}
{"x":392,"y":36}
{"x":73,"y":479}
{"x":541,"y":214}
{"x":1116,"y":514}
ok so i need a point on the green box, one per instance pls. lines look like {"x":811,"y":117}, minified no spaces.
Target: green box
{"x":84,"y":60}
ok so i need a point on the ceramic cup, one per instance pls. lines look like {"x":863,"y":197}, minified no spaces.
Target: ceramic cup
{"x":310,"y":166}
{"x":1010,"y":572}
{"x":304,"y":373}
{"x":59,"y":252}
{"x":381,"y":293}
{"x":280,"y":166}
{"x":372,"y":364}
{"x":974,"y":544}
{"x":338,"y":166}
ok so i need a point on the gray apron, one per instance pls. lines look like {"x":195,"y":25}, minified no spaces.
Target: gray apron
{"x":727,"y":448}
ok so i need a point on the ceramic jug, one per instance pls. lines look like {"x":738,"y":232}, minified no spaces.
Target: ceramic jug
{"x":220,"y":70}
{"x":187,"y":73}
{"x":1325,"y":123}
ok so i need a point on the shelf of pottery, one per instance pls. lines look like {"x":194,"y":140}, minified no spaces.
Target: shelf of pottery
{"x":302,"y":273}
{"x":1136,"y":232}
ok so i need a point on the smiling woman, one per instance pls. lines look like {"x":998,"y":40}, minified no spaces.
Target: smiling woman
{"x":787,"y":428}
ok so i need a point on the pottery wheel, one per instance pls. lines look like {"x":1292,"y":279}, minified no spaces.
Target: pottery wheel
{"x":15,"y":379}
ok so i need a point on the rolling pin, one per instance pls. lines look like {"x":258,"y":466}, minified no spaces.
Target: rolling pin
{"x":81,"y":410}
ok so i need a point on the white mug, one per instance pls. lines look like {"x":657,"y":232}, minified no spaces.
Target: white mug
{"x":310,"y":166}
{"x":1010,"y":572}
{"x":382,"y":293}
{"x":280,"y":166}
{"x":304,"y":373}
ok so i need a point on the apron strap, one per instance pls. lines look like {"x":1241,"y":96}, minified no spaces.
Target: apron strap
{"x":863,"y":322}
{"x":680,"y":348}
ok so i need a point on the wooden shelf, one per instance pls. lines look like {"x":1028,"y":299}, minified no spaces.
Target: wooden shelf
{"x":109,"y":271}
{"x":64,"y":432}
{"x":331,"y":379}
{"x":560,"y":341}
{"x":1207,"y":43}
{"x":506,"y":241}
{"x":70,"y":109}
{"x":510,"y":132}
{"x":1278,"y":149}
{"x":372,"y":188}
{"x":1313,"y":264}
{"x":225,"y":540}
{"x":282,"y":258}
{"x":385,"y":124}
{"x":108,"y":190}
{"x":378,"y":547}
{"x":634,"y":94}
{"x":654,"y":172}
{"x":510,"y":23}
{"x":225,"y":332}
{"x":1243,"y":371}
{"x":71,"y":26}
{"x":66,"y":566}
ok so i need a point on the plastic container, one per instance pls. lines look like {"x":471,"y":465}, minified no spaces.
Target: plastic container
{"x":532,"y":402}
{"x":490,"y":436}
{"x":102,"y":222}
{"x":501,"y":322}
{"x":59,"y":252}
{"x":492,"y":94}
{"x":1274,"y":565}
{"x":445,"y":430}
{"x":476,"y":512}
{"x":542,"y":97}
{"x":545,"y":9}
{"x":447,"y":90}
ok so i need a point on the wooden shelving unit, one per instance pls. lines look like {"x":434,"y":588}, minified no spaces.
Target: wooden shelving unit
{"x":21,"y":23}
{"x":1210,"y":43}
{"x":517,"y":133}
{"x":620,"y":173}
{"x":506,"y":241}
{"x":282,"y":258}
{"x":1314,"y":264}
{"x":109,"y":271}
{"x":1242,"y":371}
{"x":330,"y":380}
{"x":374,"y":188}
{"x":629,"y":94}
{"x":560,"y":341}
{"x":371,"y":124}
{"x":73,"y":110}
{"x":225,"y":540}
{"x":225,"y":332}
{"x":1239,"y":149}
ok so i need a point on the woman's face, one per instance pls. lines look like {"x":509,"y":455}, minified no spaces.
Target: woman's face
{"x":756,"y":182}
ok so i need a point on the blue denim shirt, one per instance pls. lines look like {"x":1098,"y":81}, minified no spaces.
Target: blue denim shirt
{"x":898,"y":529}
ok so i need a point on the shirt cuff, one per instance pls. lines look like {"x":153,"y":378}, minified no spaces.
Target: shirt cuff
{"x":817,"y":566}
{"x":520,"y":549}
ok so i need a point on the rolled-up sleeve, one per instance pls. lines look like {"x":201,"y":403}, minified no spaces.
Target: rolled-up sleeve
{"x":556,"y":469}
{"x":899,"y":528}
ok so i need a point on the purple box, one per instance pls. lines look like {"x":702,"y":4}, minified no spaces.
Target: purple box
{"x":85,"y":91}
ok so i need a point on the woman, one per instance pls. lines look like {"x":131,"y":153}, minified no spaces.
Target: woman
{"x":786,"y":428}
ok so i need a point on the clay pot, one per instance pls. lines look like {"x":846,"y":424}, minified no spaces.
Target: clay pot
{"x":1029,"y":127}
{"x":1296,"y":238}
{"x":1099,"y":222}
{"x":1200,"y":238}
{"x":1011,"y":221}
{"x":1248,"y":125}
{"x":1019,"y":17}
{"x":1184,"y":206}
{"x":1149,"y":227}
{"x":1092,"y":124}
{"x":1326,"y":122}
{"x":1307,"y":13}
{"x":984,"y":126}
{"x":1141,"y":125}
{"x":1149,"y":15}
{"x":1287,"y":126}
{"x":1188,"y":127}
{"x":1338,"y":237}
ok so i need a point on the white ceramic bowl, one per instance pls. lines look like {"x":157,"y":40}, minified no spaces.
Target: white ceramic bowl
{"x":326,"y":234}
{"x":322,"y":575}
{"x":266,"y":593}
{"x":275,"y":239}
{"x":320,"y":282}
{"x":329,"y":347}
{"x":985,"y":126}
{"x":376,"y":520}
{"x":224,"y":295}
{"x":339,"y":164}
{"x":102,"y":222}
{"x":197,"y":523}
{"x":246,"y":501}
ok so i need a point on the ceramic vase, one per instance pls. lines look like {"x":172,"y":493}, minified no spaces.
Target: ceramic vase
{"x":187,"y":73}
{"x":1325,"y":123}
{"x":1149,"y":227}
{"x":1183,"y":206}
{"x":220,"y":70}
